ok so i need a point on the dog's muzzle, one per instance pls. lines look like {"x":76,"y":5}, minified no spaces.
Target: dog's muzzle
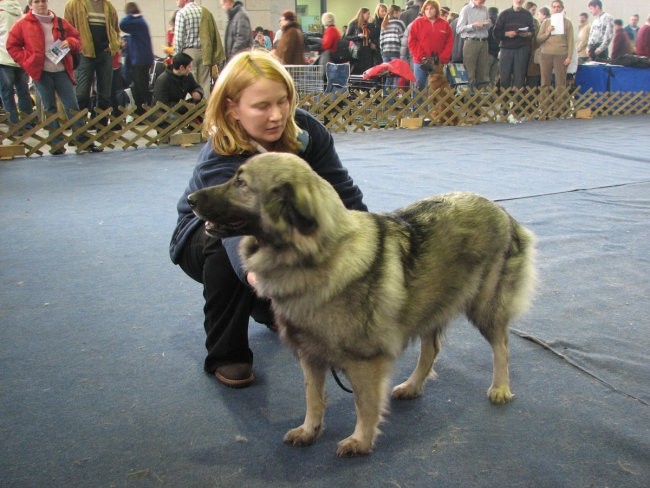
{"x":222,"y":226}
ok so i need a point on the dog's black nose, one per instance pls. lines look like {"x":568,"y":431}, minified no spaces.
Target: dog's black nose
{"x":191,"y":200}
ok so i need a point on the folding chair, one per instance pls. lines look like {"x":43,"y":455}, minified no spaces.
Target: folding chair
{"x":456,"y":75}
{"x":338,"y":81}
{"x":338,"y":77}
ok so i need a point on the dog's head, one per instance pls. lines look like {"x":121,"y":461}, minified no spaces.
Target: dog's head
{"x":273,"y":197}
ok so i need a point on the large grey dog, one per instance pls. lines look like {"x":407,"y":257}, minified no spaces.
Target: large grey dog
{"x":350,"y":289}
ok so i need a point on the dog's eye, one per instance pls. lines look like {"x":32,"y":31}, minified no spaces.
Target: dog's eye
{"x":239,"y":181}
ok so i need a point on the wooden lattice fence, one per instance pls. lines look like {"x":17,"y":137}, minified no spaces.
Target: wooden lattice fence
{"x":353,"y":111}
{"x":126,"y":129}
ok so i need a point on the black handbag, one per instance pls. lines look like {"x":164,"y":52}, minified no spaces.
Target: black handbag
{"x":75,"y":56}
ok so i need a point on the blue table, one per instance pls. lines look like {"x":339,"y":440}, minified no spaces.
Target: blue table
{"x":606,"y":77}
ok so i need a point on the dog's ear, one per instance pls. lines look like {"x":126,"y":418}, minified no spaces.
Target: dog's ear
{"x":295,"y":206}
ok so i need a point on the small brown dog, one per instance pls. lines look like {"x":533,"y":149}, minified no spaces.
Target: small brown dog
{"x":441,"y":111}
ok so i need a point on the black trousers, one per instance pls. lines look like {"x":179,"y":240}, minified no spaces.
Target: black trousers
{"x":140,"y":86}
{"x":228,"y":302}
{"x":602,"y":57}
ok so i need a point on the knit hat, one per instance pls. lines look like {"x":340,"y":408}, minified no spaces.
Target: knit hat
{"x":327,"y":19}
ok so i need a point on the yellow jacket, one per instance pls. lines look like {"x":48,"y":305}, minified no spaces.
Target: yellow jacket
{"x":76,"y":13}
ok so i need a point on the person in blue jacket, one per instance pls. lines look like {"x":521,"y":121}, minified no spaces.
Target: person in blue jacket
{"x":252,"y":109}
{"x":140,"y":54}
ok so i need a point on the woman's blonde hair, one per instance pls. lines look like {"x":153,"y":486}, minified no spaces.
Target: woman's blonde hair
{"x":435,"y":4}
{"x":227,"y":136}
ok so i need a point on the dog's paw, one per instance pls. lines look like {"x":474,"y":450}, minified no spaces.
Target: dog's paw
{"x":406,"y":391}
{"x":500,"y":394}
{"x":351,"y":447}
{"x":301,"y":436}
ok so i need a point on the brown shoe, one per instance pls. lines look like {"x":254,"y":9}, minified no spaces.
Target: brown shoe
{"x":235,"y":375}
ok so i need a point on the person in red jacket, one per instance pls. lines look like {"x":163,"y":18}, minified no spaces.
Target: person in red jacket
{"x":36,"y":42}
{"x":643,"y":39}
{"x":429,"y":35}
{"x":332,"y":35}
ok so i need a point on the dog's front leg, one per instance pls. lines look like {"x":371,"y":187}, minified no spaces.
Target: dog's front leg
{"x":413,"y":386}
{"x":314,"y":377}
{"x":369,"y":381}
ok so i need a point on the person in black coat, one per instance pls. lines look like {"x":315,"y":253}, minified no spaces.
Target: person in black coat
{"x":177,"y":83}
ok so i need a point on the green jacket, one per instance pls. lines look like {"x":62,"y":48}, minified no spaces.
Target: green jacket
{"x":212,"y":51}
{"x":76,"y":13}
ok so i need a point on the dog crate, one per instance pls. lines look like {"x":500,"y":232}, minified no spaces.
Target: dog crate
{"x":308,"y":78}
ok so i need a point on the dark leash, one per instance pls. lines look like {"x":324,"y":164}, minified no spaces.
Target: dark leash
{"x":338,"y":381}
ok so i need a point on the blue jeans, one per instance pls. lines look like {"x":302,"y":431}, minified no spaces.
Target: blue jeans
{"x":15,"y":78}
{"x":49,"y":86}
{"x":421,"y":76}
{"x":99,"y":69}
{"x":390,"y":81}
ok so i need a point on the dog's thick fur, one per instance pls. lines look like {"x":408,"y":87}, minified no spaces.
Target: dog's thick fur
{"x":350,"y":289}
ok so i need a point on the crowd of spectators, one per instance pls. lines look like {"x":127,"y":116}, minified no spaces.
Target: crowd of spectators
{"x":522,"y":45}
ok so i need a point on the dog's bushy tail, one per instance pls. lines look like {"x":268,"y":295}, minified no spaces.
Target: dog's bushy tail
{"x":520,"y":276}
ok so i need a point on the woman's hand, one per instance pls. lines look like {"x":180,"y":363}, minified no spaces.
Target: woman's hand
{"x":252,"y":279}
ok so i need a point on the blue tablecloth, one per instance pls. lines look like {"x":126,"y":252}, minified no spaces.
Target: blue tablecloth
{"x":605,"y":77}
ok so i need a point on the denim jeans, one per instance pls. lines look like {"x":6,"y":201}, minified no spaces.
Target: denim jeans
{"x":390,"y":82}
{"x":421,"y":79}
{"x":421,"y":76}
{"x":15,"y":78}
{"x":99,"y":69}
{"x":49,"y":86}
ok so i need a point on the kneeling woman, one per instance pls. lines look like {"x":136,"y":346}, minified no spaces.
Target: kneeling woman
{"x":252,"y":109}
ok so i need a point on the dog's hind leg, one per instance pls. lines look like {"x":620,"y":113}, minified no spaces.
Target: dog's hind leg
{"x":413,"y":386}
{"x":499,"y":391}
{"x":369,"y":379}
{"x":505,"y":293}
{"x":311,"y":428}
{"x":492,"y":322}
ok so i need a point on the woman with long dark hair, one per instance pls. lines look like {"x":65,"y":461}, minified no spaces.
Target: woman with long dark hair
{"x":363,"y":48}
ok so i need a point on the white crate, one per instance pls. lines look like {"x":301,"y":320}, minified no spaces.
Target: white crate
{"x":308,"y":78}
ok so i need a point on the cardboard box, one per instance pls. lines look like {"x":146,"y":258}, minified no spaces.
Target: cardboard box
{"x":411,"y":123}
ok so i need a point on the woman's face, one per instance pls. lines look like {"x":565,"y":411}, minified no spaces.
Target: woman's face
{"x":430,"y":11}
{"x":39,"y":7}
{"x":262,"y":111}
